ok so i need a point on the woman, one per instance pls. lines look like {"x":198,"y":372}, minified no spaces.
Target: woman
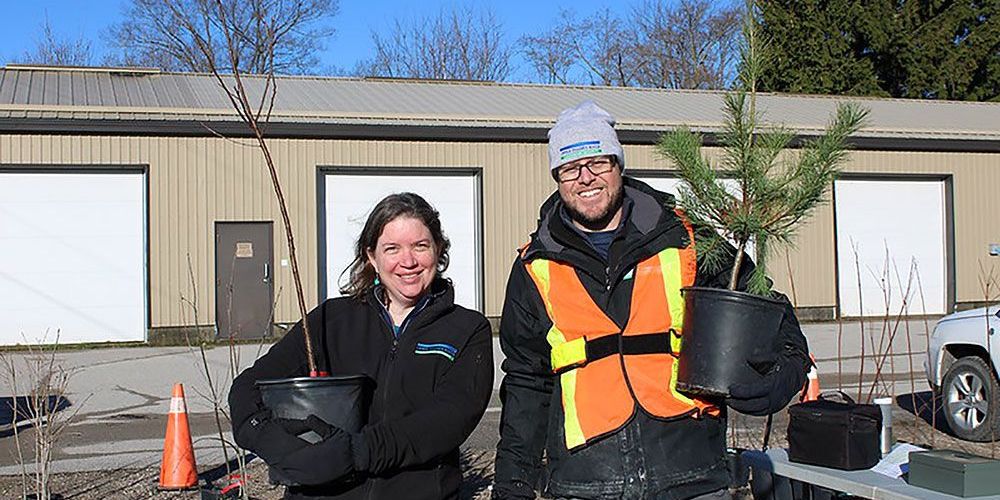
{"x":431,"y":360}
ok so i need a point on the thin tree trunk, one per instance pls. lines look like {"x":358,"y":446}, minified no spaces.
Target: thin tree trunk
{"x":737,"y":263}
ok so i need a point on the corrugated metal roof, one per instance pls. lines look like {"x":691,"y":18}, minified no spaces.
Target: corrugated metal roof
{"x":120,"y":94}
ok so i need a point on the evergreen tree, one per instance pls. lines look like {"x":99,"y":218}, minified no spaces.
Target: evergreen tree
{"x":952,"y":50}
{"x":818,"y":47}
{"x":920,"y":49}
{"x":778,"y":187}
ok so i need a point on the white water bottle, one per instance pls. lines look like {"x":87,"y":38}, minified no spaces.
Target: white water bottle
{"x":885,"y":441}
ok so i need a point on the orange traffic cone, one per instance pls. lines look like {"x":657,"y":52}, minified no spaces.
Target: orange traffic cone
{"x":811,"y":391}
{"x":178,"y":470}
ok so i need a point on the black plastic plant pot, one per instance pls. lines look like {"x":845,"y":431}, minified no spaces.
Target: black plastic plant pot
{"x":723,"y":331}
{"x":341,"y":401}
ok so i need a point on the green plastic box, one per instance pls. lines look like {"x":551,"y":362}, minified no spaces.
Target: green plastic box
{"x":955,"y":473}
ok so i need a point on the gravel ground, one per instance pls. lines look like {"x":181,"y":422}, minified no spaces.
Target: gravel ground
{"x":142,"y":483}
{"x":477,"y":464}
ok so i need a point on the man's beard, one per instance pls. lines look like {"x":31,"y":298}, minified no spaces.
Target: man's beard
{"x":601,"y":221}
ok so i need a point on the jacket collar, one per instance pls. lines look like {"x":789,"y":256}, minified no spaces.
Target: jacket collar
{"x":439,"y":300}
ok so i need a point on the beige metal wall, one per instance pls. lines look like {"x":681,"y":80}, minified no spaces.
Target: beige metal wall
{"x":194,"y":182}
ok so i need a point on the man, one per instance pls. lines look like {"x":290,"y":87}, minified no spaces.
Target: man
{"x":590,"y":347}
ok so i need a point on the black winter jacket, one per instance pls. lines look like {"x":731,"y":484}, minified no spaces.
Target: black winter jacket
{"x":423,"y":406}
{"x":649,"y":457}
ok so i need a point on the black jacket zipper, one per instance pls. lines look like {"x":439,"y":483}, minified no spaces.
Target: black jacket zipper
{"x":387,"y":319}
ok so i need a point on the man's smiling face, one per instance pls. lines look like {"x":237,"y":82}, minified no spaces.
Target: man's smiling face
{"x":594,"y":202}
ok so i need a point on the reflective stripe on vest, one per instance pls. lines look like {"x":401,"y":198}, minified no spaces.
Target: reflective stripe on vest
{"x":589,"y":350}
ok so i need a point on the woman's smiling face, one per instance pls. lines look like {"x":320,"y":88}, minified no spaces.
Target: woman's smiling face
{"x":405,"y":259}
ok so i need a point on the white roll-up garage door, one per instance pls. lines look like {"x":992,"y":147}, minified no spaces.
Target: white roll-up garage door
{"x":350,"y":196}
{"x":665,"y":184}
{"x":72,"y":257}
{"x":888,"y":231}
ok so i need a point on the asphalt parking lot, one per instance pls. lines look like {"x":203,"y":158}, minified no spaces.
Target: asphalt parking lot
{"x":118,"y":397}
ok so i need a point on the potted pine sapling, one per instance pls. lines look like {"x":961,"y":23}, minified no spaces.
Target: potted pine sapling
{"x":778,"y":188}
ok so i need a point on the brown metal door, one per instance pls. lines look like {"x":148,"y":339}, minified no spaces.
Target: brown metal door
{"x":244,"y":292}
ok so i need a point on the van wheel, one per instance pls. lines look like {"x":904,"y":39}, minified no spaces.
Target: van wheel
{"x":972,"y":400}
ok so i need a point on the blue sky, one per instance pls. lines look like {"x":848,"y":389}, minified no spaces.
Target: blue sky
{"x":71,"y":19}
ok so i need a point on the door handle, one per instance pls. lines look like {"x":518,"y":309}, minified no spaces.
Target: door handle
{"x":267,"y":273}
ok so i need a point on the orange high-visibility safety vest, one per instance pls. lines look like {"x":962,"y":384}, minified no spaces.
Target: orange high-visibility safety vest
{"x":598,"y":362}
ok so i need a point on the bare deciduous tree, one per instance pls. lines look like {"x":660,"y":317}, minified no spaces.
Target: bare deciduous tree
{"x":460,"y":44}
{"x":551,"y":55}
{"x":158,"y":33}
{"x":51,"y":49}
{"x":600,"y":48}
{"x":219,"y":46}
{"x":690,"y":44}
{"x":252,"y":96}
{"x":38,"y":383}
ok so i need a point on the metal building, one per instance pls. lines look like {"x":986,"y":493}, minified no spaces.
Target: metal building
{"x":132,"y":201}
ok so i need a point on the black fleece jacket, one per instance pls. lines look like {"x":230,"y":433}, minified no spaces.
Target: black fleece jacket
{"x":649,"y":457}
{"x":425,"y":402}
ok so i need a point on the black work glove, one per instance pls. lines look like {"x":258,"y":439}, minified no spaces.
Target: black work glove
{"x":268,"y":437}
{"x":311,"y":429}
{"x":783,"y":376}
{"x":339,"y":454}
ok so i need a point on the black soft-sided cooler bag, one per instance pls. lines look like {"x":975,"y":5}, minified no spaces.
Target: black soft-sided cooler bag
{"x":839,"y":435}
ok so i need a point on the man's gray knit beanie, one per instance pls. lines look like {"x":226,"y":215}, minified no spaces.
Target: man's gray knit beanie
{"x":583,"y":131}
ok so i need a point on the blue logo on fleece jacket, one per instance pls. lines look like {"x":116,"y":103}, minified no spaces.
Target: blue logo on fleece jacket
{"x":447,"y":350}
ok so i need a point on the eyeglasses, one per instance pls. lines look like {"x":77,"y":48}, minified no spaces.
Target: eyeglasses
{"x":596,"y":166}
